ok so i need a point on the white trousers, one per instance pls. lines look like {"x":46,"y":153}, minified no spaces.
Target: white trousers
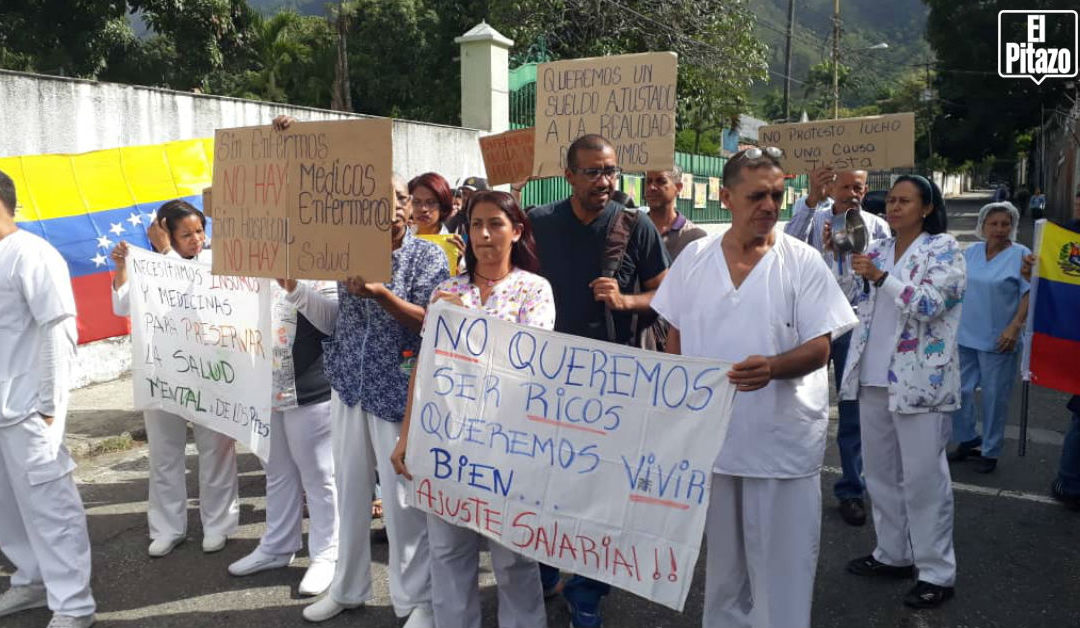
{"x":219,"y":504}
{"x":362,"y":443}
{"x":907,"y":478}
{"x":763,"y":537}
{"x":301,"y":463}
{"x":455,"y":568}
{"x":42,"y":521}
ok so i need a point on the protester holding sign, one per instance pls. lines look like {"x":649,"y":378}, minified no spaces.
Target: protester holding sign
{"x":500,"y":279}
{"x":301,"y":457}
{"x":903,"y":368}
{"x":604,"y":263}
{"x":766,"y":302}
{"x":375,"y":338}
{"x":219,"y":505}
{"x":42,"y":521}
{"x":810,"y":222}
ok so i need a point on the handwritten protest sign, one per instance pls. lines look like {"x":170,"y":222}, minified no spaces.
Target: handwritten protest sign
{"x":313,"y":201}
{"x":201,"y":346}
{"x":589,"y":456}
{"x":629,"y":99}
{"x":508,"y":157}
{"x":871,"y":143}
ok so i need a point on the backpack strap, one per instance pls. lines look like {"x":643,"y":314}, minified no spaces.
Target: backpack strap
{"x":618,"y":238}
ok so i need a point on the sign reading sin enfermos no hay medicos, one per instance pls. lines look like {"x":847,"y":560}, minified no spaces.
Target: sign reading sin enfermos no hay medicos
{"x":201,"y":346}
{"x":312,"y":202}
{"x":628,"y":99}
{"x":871,"y":143}
{"x":589,"y":456}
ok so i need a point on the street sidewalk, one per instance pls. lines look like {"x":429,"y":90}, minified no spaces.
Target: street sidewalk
{"x":101,"y":419}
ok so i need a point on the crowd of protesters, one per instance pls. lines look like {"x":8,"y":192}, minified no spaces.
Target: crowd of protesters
{"x":913,"y":325}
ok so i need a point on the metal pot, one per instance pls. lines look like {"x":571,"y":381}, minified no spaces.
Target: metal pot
{"x":849,"y":234}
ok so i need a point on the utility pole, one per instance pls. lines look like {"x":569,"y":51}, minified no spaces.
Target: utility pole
{"x":836,"y":60}
{"x":929,"y":119}
{"x":787,"y":60}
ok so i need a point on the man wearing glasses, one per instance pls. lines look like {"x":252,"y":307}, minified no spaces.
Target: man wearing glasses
{"x":767,"y":303}
{"x":571,"y":238}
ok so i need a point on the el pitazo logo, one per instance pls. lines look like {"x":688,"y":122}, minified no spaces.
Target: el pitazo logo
{"x":1037,"y":44}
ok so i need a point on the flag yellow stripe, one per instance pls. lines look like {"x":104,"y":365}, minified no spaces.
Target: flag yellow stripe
{"x":1051,"y":267}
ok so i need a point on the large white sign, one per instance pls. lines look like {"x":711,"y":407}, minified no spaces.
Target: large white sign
{"x":201,"y":346}
{"x":585,"y":455}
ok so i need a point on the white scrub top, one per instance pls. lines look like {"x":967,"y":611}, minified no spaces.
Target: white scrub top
{"x":881,"y":344}
{"x":993,"y":293}
{"x":35,"y":291}
{"x":789,"y":298}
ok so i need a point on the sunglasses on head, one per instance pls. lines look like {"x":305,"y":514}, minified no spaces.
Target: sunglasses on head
{"x":756,"y":152}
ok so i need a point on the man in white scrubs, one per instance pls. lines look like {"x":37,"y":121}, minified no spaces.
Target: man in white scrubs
{"x":42,"y":521}
{"x":767,"y":303}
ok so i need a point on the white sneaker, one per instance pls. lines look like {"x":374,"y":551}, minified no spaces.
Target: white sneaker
{"x":22,"y":598}
{"x":421,"y":617}
{"x":325,"y":609}
{"x":67,"y":621}
{"x":318,"y":577}
{"x":163,"y":547}
{"x":257,"y":561}
{"x":213,"y":543}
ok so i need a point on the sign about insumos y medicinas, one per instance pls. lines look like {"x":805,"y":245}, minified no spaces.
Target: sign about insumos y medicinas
{"x":201,"y":346}
{"x":314,"y":201}
{"x":628,"y":99}
{"x":589,"y":456}
{"x":870,"y":143}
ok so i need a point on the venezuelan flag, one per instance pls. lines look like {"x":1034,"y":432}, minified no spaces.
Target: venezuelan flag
{"x":84,"y":204}
{"x":1055,"y":341}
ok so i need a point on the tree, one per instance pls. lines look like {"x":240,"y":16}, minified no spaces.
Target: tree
{"x":981,"y":114}
{"x":719,"y":57}
{"x":66,"y":37}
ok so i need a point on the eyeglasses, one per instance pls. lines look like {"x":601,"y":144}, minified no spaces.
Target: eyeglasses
{"x":430,"y":204}
{"x":403,"y":198}
{"x":595,"y":173}
{"x":756,"y":152}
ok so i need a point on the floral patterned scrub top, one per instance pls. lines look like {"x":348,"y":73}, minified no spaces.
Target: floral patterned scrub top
{"x":522,"y":297}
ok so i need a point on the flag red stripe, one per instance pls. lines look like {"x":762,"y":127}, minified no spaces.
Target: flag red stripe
{"x":93,"y":300}
{"x":1055,"y":363}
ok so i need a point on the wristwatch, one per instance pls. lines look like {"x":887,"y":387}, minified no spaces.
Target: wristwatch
{"x":881,"y":280}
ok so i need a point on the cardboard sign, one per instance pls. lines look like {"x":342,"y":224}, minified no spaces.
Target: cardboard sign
{"x":508,"y":157}
{"x":312,"y":202}
{"x":871,"y":143}
{"x":201,"y":346}
{"x":628,"y":99}
{"x":584,"y":455}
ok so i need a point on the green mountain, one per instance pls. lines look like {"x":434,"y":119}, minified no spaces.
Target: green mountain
{"x":864,"y":23}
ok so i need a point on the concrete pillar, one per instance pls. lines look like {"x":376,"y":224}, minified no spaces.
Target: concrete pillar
{"x":485,"y":72}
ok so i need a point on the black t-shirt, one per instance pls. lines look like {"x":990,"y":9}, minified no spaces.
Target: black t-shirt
{"x":307,"y":351}
{"x":570,"y":256}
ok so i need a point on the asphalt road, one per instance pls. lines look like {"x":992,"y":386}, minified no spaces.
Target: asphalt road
{"x":1019,"y":561}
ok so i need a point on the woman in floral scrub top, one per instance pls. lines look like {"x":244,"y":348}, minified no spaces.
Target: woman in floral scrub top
{"x":501,"y":280}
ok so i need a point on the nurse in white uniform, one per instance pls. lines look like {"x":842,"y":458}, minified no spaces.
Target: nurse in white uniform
{"x":42,"y":521}
{"x":766,"y":302}
{"x":904,"y":369}
{"x":219,"y":505}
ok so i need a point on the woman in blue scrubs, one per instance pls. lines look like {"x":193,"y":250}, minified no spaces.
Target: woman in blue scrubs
{"x":993,"y":316}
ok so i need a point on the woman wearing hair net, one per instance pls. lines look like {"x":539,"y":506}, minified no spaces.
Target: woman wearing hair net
{"x":995,"y":309}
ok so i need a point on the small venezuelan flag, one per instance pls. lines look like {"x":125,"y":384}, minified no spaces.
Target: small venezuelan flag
{"x":84,"y":204}
{"x":1055,"y":319}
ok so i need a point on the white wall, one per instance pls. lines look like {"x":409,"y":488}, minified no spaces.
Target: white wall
{"x":47,"y":114}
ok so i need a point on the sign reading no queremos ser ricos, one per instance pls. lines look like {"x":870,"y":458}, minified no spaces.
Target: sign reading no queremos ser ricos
{"x":201,"y":346}
{"x":628,"y":99}
{"x":871,"y":143}
{"x":592,"y":457}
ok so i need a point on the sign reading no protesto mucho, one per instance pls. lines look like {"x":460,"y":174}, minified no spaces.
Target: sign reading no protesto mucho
{"x":871,"y":143}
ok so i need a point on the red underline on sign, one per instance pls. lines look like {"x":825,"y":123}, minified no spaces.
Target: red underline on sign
{"x":457,"y":356}
{"x":540,"y":419}
{"x":659,"y":502}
